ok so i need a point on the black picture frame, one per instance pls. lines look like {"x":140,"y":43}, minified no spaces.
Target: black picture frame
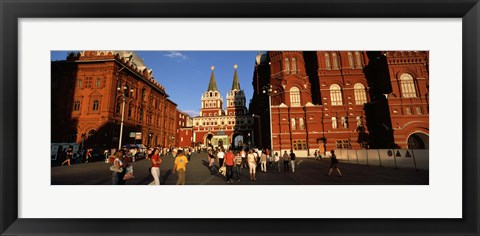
{"x":11,"y":11}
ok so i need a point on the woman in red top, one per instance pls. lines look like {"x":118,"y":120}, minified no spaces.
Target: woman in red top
{"x":156,"y":162}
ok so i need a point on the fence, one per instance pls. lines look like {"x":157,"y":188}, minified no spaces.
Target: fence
{"x":397,"y":158}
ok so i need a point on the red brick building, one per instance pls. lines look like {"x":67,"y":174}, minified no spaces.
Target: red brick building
{"x":341,"y":100}
{"x":184,"y":136}
{"x":88,"y":91}
{"x":215,"y":126}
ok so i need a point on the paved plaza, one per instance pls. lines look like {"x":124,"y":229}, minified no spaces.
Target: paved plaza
{"x":307,"y":172}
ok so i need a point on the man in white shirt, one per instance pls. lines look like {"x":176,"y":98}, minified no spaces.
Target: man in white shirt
{"x":220,"y":156}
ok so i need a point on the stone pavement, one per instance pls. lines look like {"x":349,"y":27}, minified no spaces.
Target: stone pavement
{"x":307,"y":172}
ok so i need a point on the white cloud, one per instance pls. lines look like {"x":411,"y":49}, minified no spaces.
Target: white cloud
{"x":192,"y":113}
{"x":176,"y":55}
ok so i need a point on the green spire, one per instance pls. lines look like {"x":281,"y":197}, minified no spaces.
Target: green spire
{"x":235,"y":84}
{"x":212,"y":86}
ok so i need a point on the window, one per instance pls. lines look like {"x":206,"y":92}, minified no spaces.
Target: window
{"x":129,"y":111}
{"x":344,"y":122}
{"x":294,"y":97}
{"x":359,"y":121}
{"x":98,"y":82}
{"x":141,"y":114}
{"x":117,"y":109}
{"x":91,"y":133}
{"x":360,"y":94}
{"x":88,"y":82}
{"x":144,"y":95}
{"x":79,"y":83}
{"x":358,"y":60}
{"x":335,"y":61}
{"x":334,"y":122}
{"x":327,"y":61}
{"x":76,"y":105}
{"x":350,"y":60}
{"x":300,"y":144}
{"x":419,"y":110}
{"x":336,"y":95}
{"x":294,"y":125}
{"x":301,"y":124}
{"x":287,"y":65}
{"x":294,"y":65}
{"x":409,"y":110}
{"x":408,"y":88}
{"x":343,"y":144}
{"x":95,"y":105}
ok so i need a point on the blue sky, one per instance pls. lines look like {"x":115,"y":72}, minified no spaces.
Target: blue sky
{"x":185,"y":74}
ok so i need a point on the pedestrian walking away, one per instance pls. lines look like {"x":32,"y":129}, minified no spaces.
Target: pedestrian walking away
{"x":286,"y":160}
{"x":333,"y":164}
{"x":211,"y":162}
{"x":229,"y":163}
{"x":263,"y":162}
{"x":292,"y":160}
{"x":277,"y":162}
{"x":252,"y":165}
{"x":238,"y":165}
{"x":155,"y":168}
{"x":180,"y":166}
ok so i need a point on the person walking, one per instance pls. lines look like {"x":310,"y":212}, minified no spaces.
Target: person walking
{"x":286,"y":160}
{"x":315,"y":155}
{"x":238,"y":165}
{"x":156,"y":162}
{"x":229,"y":163}
{"x":263,"y":162}
{"x":252,"y":165}
{"x":220,"y":156}
{"x":211,"y":162}
{"x":119,"y":162}
{"x":243,"y":154}
{"x":68,"y":155}
{"x":292,"y":160}
{"x":180,"y":166}
{"x":333,"y":164}
{"x":276,"y":159}
{"x":88,"y":155}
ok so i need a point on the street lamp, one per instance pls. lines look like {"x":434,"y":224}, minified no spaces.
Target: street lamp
{"x":268,"y":90}
{"x":125,"y":89}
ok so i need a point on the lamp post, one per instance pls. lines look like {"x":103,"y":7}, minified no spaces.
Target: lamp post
{"x":268,"y":90}
{"x":122,"y":89}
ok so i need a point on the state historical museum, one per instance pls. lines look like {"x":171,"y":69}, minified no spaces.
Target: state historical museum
{"x":326,"y":100}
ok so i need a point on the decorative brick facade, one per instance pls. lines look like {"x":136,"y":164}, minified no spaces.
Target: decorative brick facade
{"x":87,"y":101}
{"x":327,"y":100}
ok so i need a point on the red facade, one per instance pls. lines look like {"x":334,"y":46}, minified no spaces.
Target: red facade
{"x":88,"y":92}
{"x":327,"y":100}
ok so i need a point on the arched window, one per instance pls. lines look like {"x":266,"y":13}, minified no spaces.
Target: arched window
{"x":350,"y":60}
{"x":407,"y":86}
{"x":144,"y":95}
{"x":335,"y":61}
{"x":358,"y":59}
{"x":96,"y":104}
{"x":344,"y":122}
{"x":295,"y":97}
{"x":360,"y":94}
{"x":294,"y":65}
{"x":295,"y":145}
{"x":294,"y":125}
{"x":301,"y":124}
{"x":336,"y":95}
{"x":327,"y":61}
{"x":91,"y":133}
{"x":76,"y":105}
{"x":287,"y":66}
{"x":334,"y":122}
